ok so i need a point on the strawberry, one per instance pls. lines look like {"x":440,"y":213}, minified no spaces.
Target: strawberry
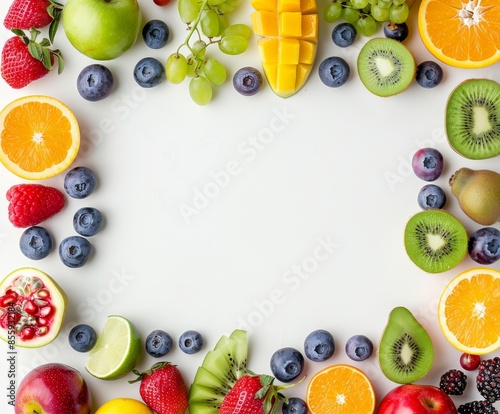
{"x":28,"y":14}
{"x":163,"y":389}
{"x":253,"y":394}
{"x":24,"y":60}
{"x":30,"y":204}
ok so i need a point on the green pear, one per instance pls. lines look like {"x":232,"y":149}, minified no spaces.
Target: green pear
{"x":478,"y":194}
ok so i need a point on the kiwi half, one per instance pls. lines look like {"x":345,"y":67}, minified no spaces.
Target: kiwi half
{"x":385,"y":66}
{"x":435,"y":240}
{"x":473,"y":119}
{"x":406,"y":352}
{"x":218,"y":373}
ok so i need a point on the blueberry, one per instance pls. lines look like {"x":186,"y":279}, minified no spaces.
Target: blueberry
{"x":95,"y":82}
{"x":35,"y":243}
{"x":191,"y":342}
{"x":158,"y":343}
{"x":80,"y":182}
{"x":295,"y":405}
{"x":287,"y":364}
{"x":82,"y":338}
{"x":74,"y":251}
{"x":429,"y":74}
{"x":319,"y":345}
{"x":334,"y":71}
{"x":87,"y":221}
{"x":359,"y":348}
{"x":427,"y":164}
{"x":484,"y":245}
{"x":431,"y":196}
{"x":396,"y":31}
{"x":155,"y":34}
{"x":149,"y":72}
{"x":344,"y":34}
{"x":247,"y":81}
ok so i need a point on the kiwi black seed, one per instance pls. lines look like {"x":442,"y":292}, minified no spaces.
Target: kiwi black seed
{"x":406,"y":352}
{"x":385,"y":66}
{"x":218,"y":373}
{"x":435,"y":240}
{"x":473,"y":119}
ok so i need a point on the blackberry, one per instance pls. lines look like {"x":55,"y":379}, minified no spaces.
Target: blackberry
{"x":453,"y":382}
{"x":477,"y":407}
{"x":488,"y":379}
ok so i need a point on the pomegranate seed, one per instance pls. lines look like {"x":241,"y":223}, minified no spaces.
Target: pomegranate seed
{"x":7,"y":300}
{"x":43,"y":293}
{"x":42,"y":322}
{"x":27,"y":333}
{"x":46,"y":311}
{"x":469,"y":362}
{"x":42,"y":331}
{"x":30,"y":307}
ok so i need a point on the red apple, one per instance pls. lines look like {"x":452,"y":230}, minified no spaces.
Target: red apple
{"x":53,"y":389}
{"x":417,"y":399}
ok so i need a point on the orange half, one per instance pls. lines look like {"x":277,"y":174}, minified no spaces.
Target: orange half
{"x":340,"y":389}
{"x":39,"y":137}
{"x":461,"y":33}
{"x":469,"y":311}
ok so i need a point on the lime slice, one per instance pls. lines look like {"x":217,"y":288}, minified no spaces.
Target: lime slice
{"x":116,"y":351}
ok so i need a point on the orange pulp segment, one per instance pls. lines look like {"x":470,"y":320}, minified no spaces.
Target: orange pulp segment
{"x":340,"y":389}
{"x":39,"y":137}
{"x":287,"y":46}
{"x":461,"y":33}
{"x":469,"y":311}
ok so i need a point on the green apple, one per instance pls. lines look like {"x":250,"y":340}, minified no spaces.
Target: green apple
{"x":102,"y":29}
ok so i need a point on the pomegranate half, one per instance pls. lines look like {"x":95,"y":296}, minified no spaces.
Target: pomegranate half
{"x":32,"y":308}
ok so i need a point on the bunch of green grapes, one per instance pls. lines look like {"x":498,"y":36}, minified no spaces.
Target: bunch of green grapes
{"x":207,"y":25}
{"x":365,"y":14}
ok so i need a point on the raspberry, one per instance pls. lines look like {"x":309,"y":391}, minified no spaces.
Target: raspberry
{"x":488,"y":379}
{"x":453,"y":382}
{"x":30,"y":204}
{"x":477,"y":407}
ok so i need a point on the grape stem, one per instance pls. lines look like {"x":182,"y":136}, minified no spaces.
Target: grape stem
{"x":193,"y":27}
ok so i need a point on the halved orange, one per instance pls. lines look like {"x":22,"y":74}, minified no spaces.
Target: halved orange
{"x":39,"y":137}
{"x":469,"y":311}
{"x":461,"y":33}
{"x":340,"y":389}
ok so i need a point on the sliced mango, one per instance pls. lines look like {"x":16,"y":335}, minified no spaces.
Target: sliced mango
{"x":287,"y":47}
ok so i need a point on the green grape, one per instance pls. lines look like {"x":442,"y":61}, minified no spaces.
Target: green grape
{"x":223,"y":23}
{"x":200,"y":90}
{"x":176,"y":68}
{"x":188,"y":10}
{"x":238,"y":29}
{"x":226,"y":7}
{"x":359,"y":4}
{"x":214,"y":71}
{"x":215,"y":2}
{"x":367,"y":9}
{"x":366,"y":26}
{"x":350,"y":15}
{"x":398,"y":2}
{"x":399,"y":14}
{"x":385,"y":4}
{"x":233,"y":44}
{"x":332,"y":12}
{"x":192,"y":66}
{"x":209,"y":23}
{"x":198,"y":49}
{"x":379,"y":14}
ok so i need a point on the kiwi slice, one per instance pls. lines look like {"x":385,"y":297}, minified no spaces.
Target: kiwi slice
{"x":385,"y":66}
{"x":435,"y":240}
{"x":473,"y":119}
{"x":405,"y":352}
{"x":218,"y":373}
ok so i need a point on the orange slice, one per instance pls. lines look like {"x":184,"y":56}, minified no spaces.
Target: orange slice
{"x":340,"y":389}
{"x":39,"y":137}
{"x":461,"y":33}
{"x":469,"y":311}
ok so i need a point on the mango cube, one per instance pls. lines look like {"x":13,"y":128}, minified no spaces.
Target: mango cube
{"x":264,"y":23}
{"x":289,"y":6}
{"x":290,"y":24}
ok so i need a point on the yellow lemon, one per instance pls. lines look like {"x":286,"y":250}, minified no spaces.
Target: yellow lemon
{"x":124,"y":406}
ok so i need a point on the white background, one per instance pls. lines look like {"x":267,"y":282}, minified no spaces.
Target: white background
{"x":324,"y":166}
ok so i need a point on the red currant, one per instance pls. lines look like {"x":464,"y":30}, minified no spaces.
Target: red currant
{"x":469,"y":362}
{"x":161,"y":2}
